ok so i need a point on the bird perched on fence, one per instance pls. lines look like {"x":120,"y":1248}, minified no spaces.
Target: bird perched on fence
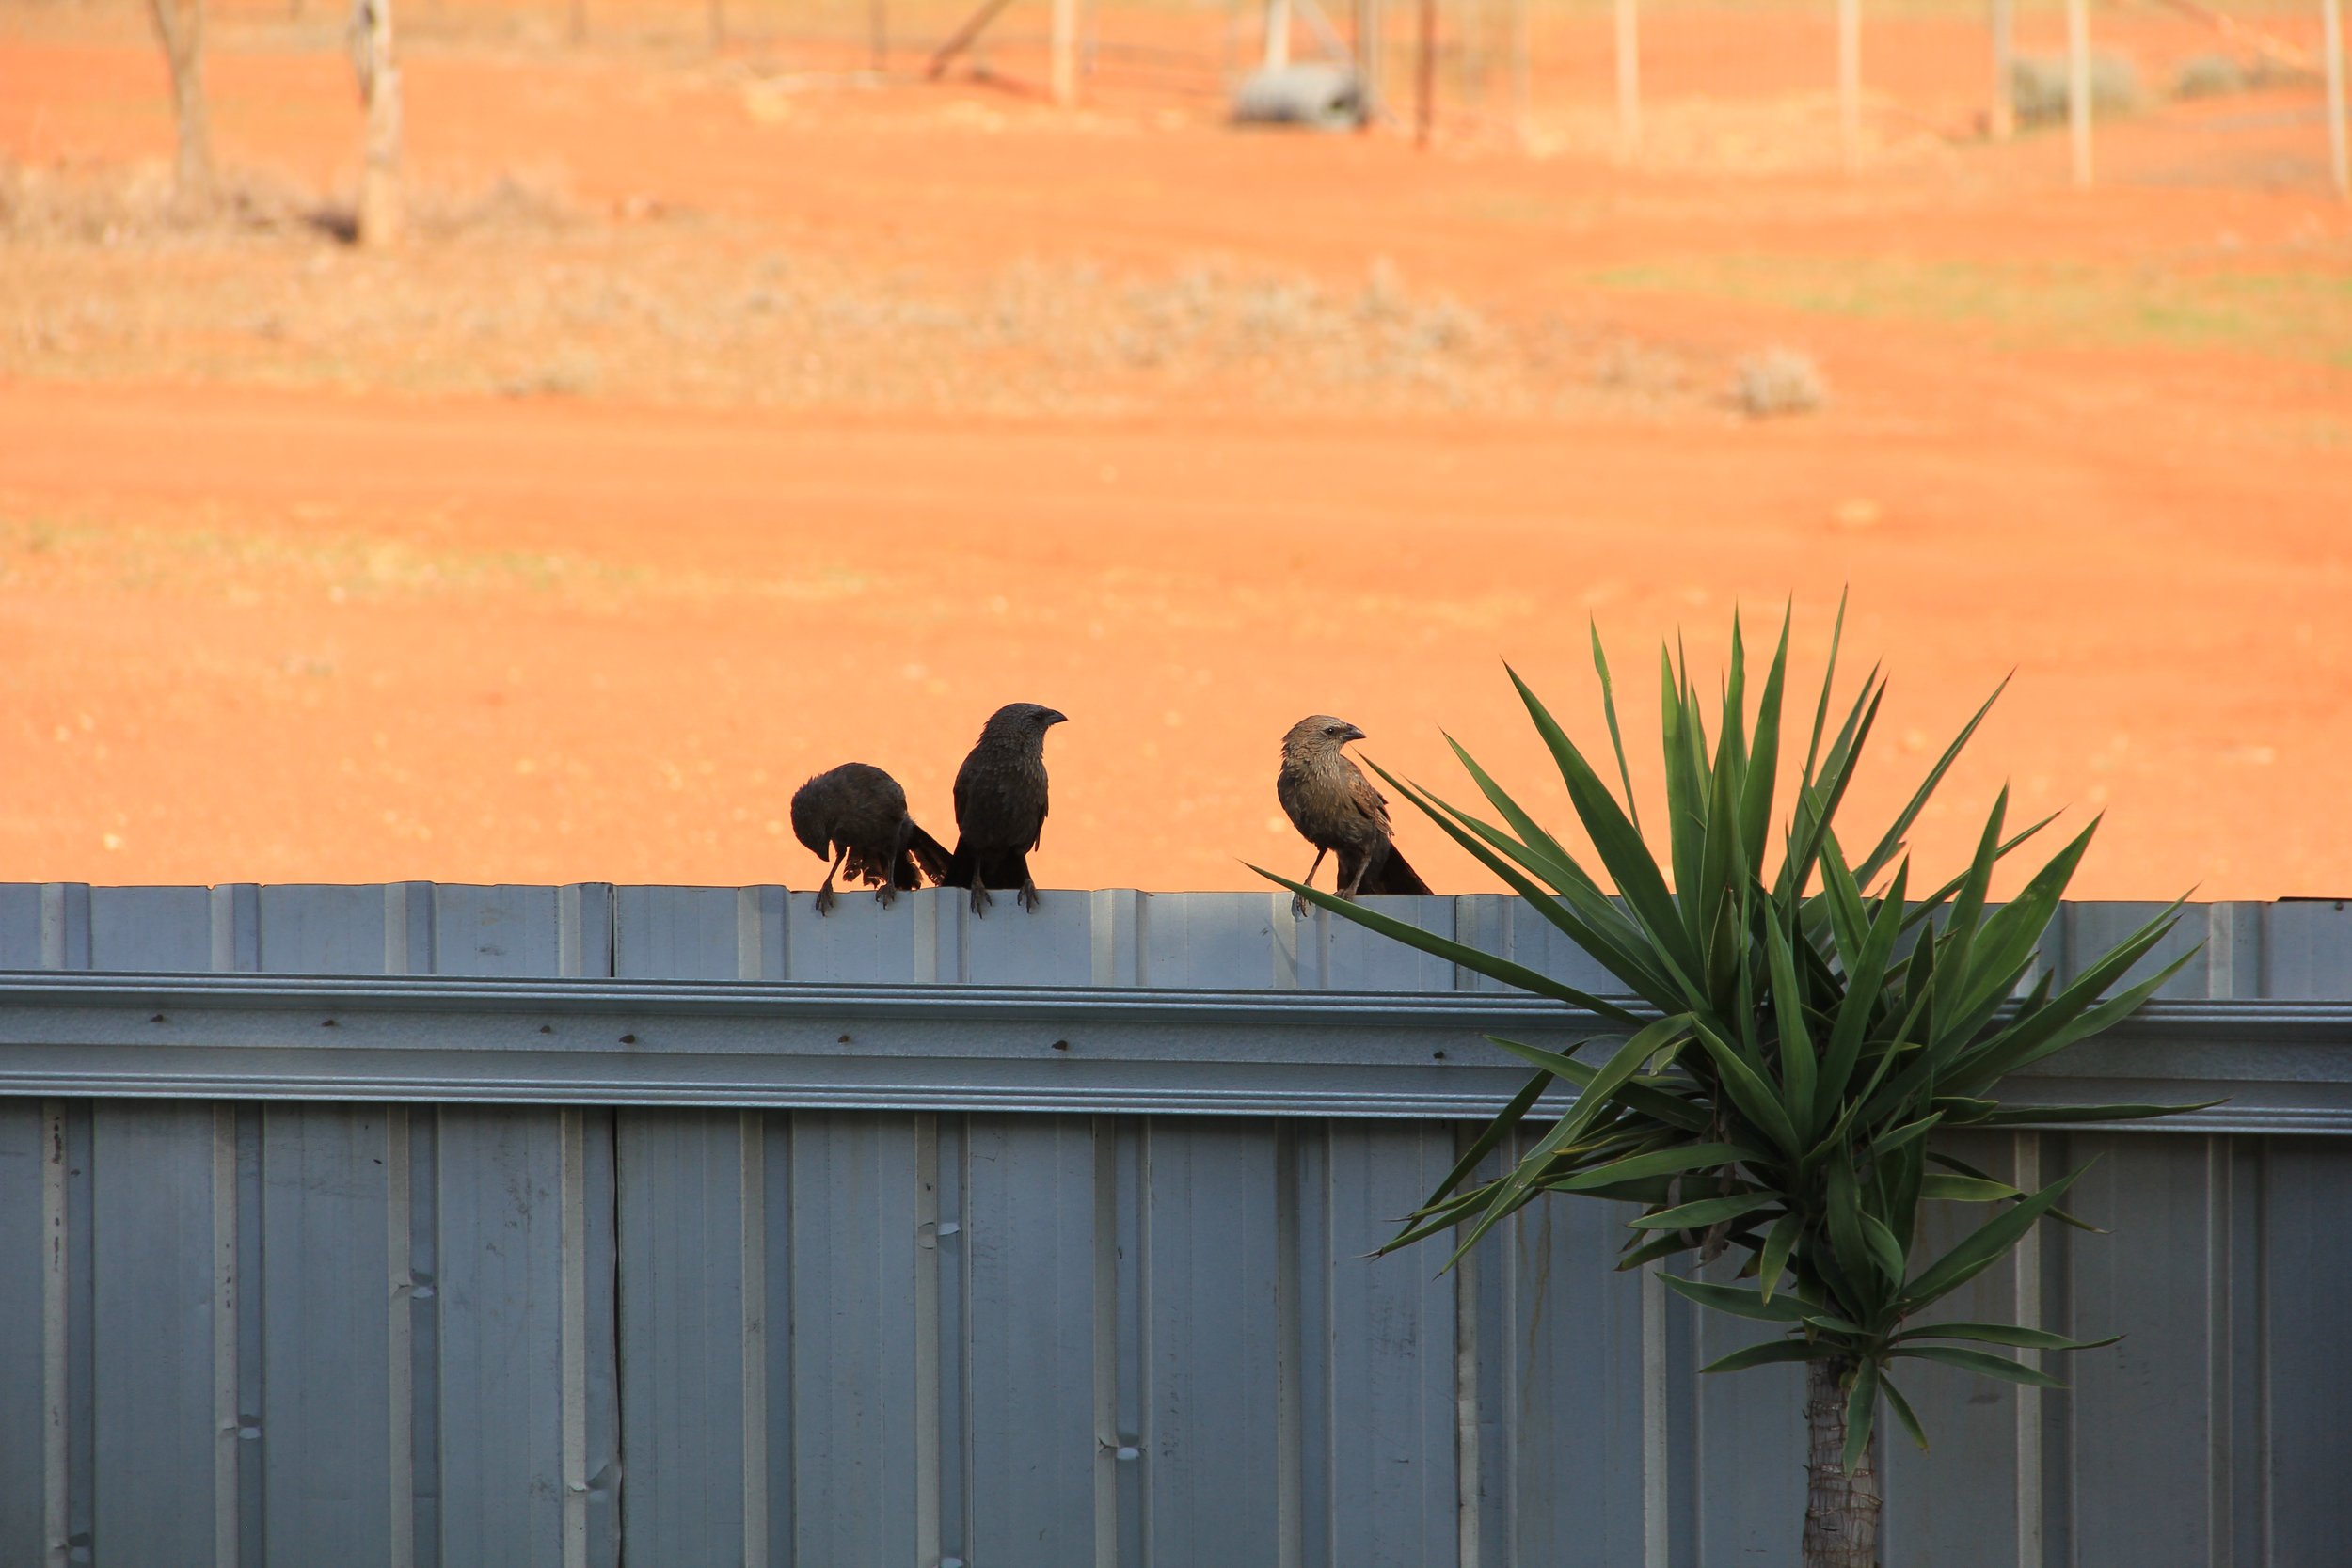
{"x":1000,"y":804}
{"x":855,"y":816}
{"x":1335,"y":808}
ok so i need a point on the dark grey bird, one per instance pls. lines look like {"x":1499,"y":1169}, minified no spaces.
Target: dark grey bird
{"x":1335,"y":808}
{"x":855,"y":816}
{"x":1000,"y":804}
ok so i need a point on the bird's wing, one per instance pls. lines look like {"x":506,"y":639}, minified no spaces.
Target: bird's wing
{"x":964,"y":790}
{"x":1286,"y":787}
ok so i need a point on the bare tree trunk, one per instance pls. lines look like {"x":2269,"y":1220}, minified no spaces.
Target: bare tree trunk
{"x":2001,"y":124}
{"x":1278,"y":33}
{"x":1629,"y":82}
{"x":1062,"y":53}
{"x":379,"y":89}
{"x":2338,"y":142}
{"x":181,"y":26}
{"x":1523,"y":47}
{"x":1470,"y":33}
{"x":1850,"y":82}
{"x":1842,"y":1512}
{"x":2078,"y":87}
{"x":1425,"y":75}
{"x":1369,"y":58}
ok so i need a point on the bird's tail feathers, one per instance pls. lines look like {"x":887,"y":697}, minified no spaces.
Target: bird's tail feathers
{"x":928,"y":853}
{"x":1396,"y":875}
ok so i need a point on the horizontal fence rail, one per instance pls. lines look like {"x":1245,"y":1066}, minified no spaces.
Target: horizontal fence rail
{"x":2275,"y":1067}
{"x":422,"y":1224}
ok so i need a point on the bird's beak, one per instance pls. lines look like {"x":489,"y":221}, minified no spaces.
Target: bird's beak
{"x":1052,"y":717}
{"x":1353,"y":733}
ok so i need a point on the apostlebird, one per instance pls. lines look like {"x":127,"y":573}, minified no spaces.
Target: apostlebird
{"x":1335,"y":808}
{"x":1000,"y":804}
{"x":855,"y":816}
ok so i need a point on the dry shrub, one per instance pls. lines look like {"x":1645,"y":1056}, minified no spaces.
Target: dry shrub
{"x":1778,"y":381}
{"x":2040,"y":87}
{"x":514,"y":203}
{"x":2210,"y":76}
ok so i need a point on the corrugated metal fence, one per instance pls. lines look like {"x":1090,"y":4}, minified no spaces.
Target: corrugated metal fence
{"x":818,"y":1274}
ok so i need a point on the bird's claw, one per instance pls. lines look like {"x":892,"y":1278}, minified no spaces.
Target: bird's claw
{"x":1026,"y":898}
{"x":1298,"y":906}
{"x":887,"y":897}
{"x":980,"y":901}
{"x":824,"y":901}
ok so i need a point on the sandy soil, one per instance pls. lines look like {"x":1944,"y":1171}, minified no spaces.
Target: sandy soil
{"x":722,"y":423}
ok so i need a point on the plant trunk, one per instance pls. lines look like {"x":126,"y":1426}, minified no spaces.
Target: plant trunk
{"x":180,"y":25}
{"x":1842,"y":1512}
{"x":379,"y":214}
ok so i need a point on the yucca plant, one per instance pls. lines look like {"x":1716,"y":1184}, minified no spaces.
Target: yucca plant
{"x":1799,"y":1026}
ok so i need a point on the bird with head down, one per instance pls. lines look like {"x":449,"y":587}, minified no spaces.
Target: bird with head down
{"x":855,"y":816}
{"x":1335,"y":808}
{"x":1000,"y":804}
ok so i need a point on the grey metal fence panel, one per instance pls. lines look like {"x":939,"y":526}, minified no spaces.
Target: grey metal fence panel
{"x":162,"y":1446}
{"x":2306,"y":949}
{"x":523,"y":930}
{"x":2143,"y":1449}
{"x":1052,"y":945}
{"x":682,"y":1370}
{"x":1212,"y":1346}
{"x":854,"y":1393}
{"x":44,"y":925}
{"x":1391,"y":1343}
{"x":501,"y":1192}
{"x":1748,"y":1447}
{"x":1559,"y":1387}
{"x":150,"y":928}
{"x":677,"y":933}
{"x":20,"y":926}
{"x":24,"y":1368}
{"x":327,"y":931}
{"x":327,"y":1420}
{"x":1029,"y":1236}
{"x":1204,"y":939}
{"x":1343,"y":955}
{"x":2308,"y":1508}
{"x":770,"y":1461}
{"x":862,"y":941}
{"x":1311,"y":1403}
{"x":591,"y":1287}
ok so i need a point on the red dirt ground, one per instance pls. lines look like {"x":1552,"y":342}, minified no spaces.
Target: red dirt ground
{"x":272,"y":617}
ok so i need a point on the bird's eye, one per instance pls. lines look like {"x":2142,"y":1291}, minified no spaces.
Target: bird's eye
{"x":1331,"y":729}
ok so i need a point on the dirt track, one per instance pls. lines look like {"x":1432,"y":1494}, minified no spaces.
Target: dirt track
{"x":272,"y":614}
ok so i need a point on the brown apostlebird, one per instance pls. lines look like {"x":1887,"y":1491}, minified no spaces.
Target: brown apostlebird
{"x":855,"y":816}
{"x":1335,"y":808}
{"x":1000,"y":804}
